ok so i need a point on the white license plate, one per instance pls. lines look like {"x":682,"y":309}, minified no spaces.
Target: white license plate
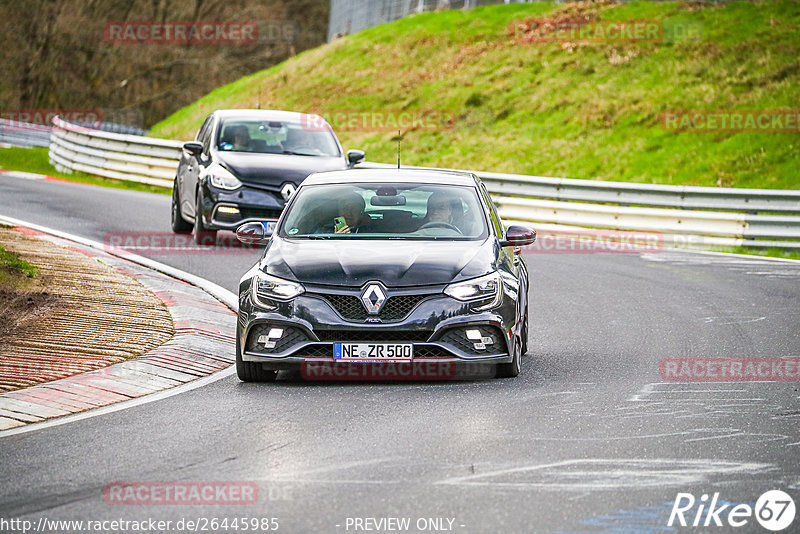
{"x":373,"y":351}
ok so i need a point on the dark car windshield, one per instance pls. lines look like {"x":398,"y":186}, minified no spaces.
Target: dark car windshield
{"x":385,"y":211}
{"x":276,"y":137}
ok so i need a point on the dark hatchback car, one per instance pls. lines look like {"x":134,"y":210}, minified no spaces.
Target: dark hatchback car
{"x":245,"y":164}
{"x":372,"y":267}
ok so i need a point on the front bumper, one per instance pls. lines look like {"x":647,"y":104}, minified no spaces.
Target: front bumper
{"x":436,"y":326}
{"x":227,"y":210}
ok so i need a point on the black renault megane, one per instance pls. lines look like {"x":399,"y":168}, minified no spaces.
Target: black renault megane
{"x":384,"y":267}
{"x":245,"y":164}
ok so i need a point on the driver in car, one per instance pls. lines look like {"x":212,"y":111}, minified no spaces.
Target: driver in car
{"x":442,"y":211}
{"x":299,"y":141}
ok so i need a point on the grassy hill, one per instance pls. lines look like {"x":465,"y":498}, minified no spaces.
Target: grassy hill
{"x":580,"y":110}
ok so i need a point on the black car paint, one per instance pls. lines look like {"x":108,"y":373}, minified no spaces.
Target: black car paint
{"x":346,"y":266}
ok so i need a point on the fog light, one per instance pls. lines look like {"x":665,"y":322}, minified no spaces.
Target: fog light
{"x":270,"y":340}
{"x":479,"y":341}
{"x":228,"y":209}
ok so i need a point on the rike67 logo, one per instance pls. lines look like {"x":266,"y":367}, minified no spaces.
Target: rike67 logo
{"x":774,"y":510}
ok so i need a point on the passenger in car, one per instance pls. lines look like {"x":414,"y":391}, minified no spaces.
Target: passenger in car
{"x":238,"y":137}
{"x":352,"y":207}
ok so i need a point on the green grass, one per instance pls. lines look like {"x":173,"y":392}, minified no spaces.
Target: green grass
{"x":15,"y":273}
{"x":36,"y":160}
{"x":769,"y":252}
{"x":585,"y":111}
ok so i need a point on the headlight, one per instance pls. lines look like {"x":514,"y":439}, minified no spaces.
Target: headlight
{"x":273,"y":288}
{"x":486,"y":291}
{"x":223,"y":179}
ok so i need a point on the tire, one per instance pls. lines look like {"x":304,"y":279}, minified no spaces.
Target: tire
{"x":251,"y":371}
{"x":202,"y":236}
{"x":525,"y":334}
{"x":512,"y":369}
{"x":179,"y":226}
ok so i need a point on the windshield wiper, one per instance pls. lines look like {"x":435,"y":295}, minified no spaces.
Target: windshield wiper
{"x":292,"y":153}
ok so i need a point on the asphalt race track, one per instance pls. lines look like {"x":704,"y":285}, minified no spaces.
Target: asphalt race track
{"x":588,"y":438}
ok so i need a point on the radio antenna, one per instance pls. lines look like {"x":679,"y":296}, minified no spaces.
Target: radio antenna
{"x":398,"y":149}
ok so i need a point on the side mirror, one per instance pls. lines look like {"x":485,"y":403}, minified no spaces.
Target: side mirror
{"x":255,"y":233}
{"x":354,"y":157}
{"x":193,"y":147}
{"x":518,"y":236}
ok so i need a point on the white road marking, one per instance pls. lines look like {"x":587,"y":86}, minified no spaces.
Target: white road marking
{"x":606,"y":474}
{"x":23,"y":175}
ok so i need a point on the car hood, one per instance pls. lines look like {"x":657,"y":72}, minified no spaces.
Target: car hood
{"x":275,"y":169}
{"x":396,"y":263}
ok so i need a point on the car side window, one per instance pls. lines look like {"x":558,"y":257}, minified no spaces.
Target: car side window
{"x":496,"y":222}
{"x":204,"y":135}
{"x":203,"y":129}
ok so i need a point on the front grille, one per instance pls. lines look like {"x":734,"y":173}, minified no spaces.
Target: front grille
{"x":458,"y":338}
{"x":259,"y":213}
{"x":379,"y":336}
{"x":431,"y":351}
{"x":291,"y":337}
{"x":315,"y":351}
{"x":395,"y":308}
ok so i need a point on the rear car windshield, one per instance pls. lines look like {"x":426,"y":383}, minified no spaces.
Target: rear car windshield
{"x":385,"y":211}
{"x":276,"y":137}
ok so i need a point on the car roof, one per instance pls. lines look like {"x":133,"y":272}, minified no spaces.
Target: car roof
{"x":424,"y":176}
{"x":263,"y":114}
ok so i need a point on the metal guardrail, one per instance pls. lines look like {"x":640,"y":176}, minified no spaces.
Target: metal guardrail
{"x":13,"y":133}
{"x":720,"y":216}
{"x":112,"y":155}
{"x":685,"y":215}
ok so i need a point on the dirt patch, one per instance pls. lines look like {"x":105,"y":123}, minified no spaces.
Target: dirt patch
{"x":77,"y":315}
{"x":18,"y":306}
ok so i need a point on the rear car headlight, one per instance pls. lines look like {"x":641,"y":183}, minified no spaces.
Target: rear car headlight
{"x":270,"y":287}
{"x":485,"y":291}
{"x":223,"y":179}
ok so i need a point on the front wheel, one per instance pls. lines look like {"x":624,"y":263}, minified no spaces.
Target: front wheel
{"x":252,"y":371}
{"x":201,"y":235}
{"x":512,"y":369}
{"x":179,"y":226}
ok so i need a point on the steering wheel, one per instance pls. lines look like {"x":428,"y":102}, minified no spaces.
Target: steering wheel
{"x":440,"y":224}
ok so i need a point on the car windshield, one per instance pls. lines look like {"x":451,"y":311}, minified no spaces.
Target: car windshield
{"x":276,"y":137}
{"x":385,"y":211}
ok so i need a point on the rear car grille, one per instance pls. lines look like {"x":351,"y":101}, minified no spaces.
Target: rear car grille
{"x":395,"y":308}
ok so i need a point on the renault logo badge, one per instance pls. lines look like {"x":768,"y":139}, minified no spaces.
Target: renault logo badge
{"x":373,"y":298}
{"x":287,"y":191}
